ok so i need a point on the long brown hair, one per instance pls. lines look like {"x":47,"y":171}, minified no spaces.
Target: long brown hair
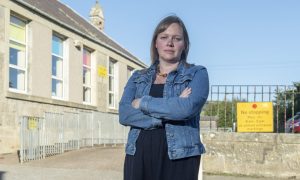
{"x":161,"y":27}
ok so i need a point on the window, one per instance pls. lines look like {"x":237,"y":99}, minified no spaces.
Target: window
{"x":57,"y":66}
{"x":111,"y":83}
{"x":17,"y":54}
{"x":87,"y":90}
{"x":129,"y":71}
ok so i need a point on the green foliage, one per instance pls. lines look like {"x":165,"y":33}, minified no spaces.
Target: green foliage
{"x":225,"y":111}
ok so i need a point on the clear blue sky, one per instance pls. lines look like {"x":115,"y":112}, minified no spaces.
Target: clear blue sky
{"x":253,"y":42}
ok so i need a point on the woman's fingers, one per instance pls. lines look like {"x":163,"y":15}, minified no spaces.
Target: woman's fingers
{"x":136,"y":103}
{"x":186,"y":92}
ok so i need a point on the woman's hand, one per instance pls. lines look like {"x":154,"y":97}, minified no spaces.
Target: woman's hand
{"x":136,"y":103}
{"x":186,"y":92}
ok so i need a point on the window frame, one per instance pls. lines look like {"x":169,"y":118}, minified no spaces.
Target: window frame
{"x":131,"y":70}
{"x":90,"y":69}
{"x":63,"y":59}
{"x":25,"y":44}
{"x":114,"y":83}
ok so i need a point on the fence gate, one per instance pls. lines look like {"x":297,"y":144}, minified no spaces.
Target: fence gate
{"x":31,"y":134}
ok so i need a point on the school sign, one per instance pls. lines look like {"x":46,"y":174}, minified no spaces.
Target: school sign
{"x":255,"y":117}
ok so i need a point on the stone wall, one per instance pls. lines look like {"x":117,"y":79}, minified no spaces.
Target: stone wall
{"x":253,"y":154}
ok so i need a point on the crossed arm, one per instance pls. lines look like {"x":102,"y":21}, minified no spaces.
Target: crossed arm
{"x":130,"y":115}
{"x":184,"y":94}
{"x":148,"y":111}
{"x":178,"y":108}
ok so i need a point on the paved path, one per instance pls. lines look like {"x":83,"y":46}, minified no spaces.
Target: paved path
{"x":86,"y":164}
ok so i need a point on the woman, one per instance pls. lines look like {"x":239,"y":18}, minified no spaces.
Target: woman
{"x":162,"y":105}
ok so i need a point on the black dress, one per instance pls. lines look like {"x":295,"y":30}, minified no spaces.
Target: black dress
{"x":151,"y":160}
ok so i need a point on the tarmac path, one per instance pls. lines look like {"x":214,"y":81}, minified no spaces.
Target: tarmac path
{"x":97,"y":163}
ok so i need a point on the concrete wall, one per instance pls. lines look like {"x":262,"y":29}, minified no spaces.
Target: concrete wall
{"x":255,"y":154}
{"x":39,"y":61}
{"x":2,"y":50}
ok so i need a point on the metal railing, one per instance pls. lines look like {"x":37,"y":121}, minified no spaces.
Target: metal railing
{"x":222,"y":102}
{"x":30,"y":133}
{"x":56,"y":133}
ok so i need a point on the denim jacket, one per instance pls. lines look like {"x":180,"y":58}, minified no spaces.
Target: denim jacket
{"x":180,"y":116}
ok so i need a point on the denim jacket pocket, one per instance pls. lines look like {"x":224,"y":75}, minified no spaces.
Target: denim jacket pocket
{"x":188,"y":137}
{"x":141,"y":84}
{"x":181,"y":83}
{"x":195,"y":136}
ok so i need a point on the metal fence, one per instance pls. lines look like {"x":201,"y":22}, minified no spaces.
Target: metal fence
{"x":221,"y":105}
{"x":56,"y":133}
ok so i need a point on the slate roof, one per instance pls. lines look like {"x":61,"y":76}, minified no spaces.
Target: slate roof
{"x":61,"y":14}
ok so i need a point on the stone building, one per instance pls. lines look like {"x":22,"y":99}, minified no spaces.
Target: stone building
{"x":53,"y":60}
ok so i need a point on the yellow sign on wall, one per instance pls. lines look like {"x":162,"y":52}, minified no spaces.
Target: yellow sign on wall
{"x":102,"y":71}
{"x":32,"y":123}
{"x":255,"y":117}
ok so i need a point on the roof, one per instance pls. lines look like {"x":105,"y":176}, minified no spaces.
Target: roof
{"x":61,"y":14}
